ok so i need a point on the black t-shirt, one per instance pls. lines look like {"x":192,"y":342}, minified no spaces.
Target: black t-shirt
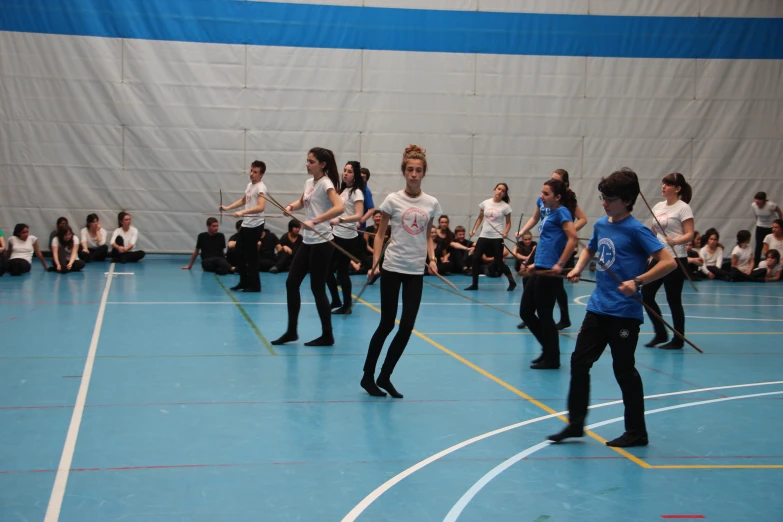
{"x":286,"y":241}
{"x":268,"y":244}
{"x":211,"y":246}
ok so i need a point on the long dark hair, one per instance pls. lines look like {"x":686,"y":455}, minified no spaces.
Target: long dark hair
{"x":358,"y":180}
{"x":61,"y":237}
{"x":18,"y":228}
{"x":505,"y":197}
{"x":567,"y":196}
{"x":563,"y":173}
{"x":675,"y":179}
{"x":327,"y":156}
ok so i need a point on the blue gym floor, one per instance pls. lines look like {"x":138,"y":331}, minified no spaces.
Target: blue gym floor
{"x":190,"y":415}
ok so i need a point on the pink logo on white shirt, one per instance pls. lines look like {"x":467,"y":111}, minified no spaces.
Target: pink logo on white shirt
{"x":414,"y":221}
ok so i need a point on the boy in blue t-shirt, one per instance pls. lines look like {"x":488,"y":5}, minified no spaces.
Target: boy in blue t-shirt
{"x":623,"y":245}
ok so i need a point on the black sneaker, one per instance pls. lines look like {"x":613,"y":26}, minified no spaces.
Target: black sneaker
{"x":626,"y":440}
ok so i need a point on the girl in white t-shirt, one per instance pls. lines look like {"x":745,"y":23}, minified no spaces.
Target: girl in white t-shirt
{"x":712,"y":255}
{"x":21,"y":247}
{"x":495,"y":213}
{"x":765,"y":212}
{"x":742,"y":258}
{"x":65,"y":252}
{"x":346,"y":236}
{"x":411,"y":213}
{"x":774,"y":240}
{"x":123,"y":241}
{"x":676,"y":217}
{"x":321,"y":203}
{"x":93,"y":241}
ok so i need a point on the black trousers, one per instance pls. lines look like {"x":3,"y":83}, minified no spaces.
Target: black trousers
{"x":342,"y":265}
{"x":493,"y":248}
{"x":536,"y":309}
{"x":412,"y":287}
{"x":761,"y":233}
{"x":621,"y":334}
{"x":219,"y":265}
{"x":315,"y":260}
{"x":17,"y":267}
{"x":672,"y":283}
{"x":247,"y":267}
{"x":63,"y":257}
{"x":134,"y":256}
{"x":95,"y":254}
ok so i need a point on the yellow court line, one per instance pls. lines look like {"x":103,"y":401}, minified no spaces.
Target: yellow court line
{"x":624,"y":453}
{"x":722,"y":466}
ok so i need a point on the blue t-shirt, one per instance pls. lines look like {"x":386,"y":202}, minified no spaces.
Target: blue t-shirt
{"x":552,"y":239}
{"x":624,"y":248}
{"x":542,"y":212}
{"x":368,"y":203}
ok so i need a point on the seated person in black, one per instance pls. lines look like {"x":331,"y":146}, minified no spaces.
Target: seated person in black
{"x":460,"y":252}
{"x":287,"y":247}
{"x":211,"y":244}
{"x":267,"y":252}
{"x":232,"y":252}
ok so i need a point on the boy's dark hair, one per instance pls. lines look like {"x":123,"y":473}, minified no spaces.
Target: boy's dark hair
{"x":260,"y":164}
{"x":623,"y":184}
{"x":778,"y":222}
{"x":377,"y":211}
{"x":294,"y":224}
{"x":743,"y":236}
{"x":238,"y":224}
{"x":211,"y":220}
{"x":365,"y":171}
{"x":761,"y":195}
{"x":459,"y":229}
{"x":774,"y":253}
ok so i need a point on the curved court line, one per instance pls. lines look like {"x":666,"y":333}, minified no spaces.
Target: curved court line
{"x":383,"y":488}
{"x":465,"y":499}
{"x":578,"y":300}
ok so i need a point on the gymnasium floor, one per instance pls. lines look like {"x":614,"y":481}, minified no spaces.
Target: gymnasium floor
{"x":184,"y":412}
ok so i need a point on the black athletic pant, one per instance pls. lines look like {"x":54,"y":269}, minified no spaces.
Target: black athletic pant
{"x":494,"y":249}
{"x":536,"y":309}
{"x":621,"y":334}
{"x":17,"y":267}
{"x":412,"y":286}
{"x":315,"y":260}
{"x":247,"y":268}
{"x":95,"y":254}
{"x":64,"y":258}
{"x":133,"y":256}
{"x":672,"y":283}
{"x":219,"y":265}
{"x":342,"y":265}
{"x":761,"y":233}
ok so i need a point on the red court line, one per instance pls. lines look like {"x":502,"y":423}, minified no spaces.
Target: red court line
{"x":682,"y":516}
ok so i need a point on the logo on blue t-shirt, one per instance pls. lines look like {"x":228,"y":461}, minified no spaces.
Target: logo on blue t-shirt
{"x":606,"y":254}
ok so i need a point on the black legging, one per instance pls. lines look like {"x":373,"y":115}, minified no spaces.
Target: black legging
{"x":247,"y":246}
{"x":412,"y":287}
{"x":133,"y":256}
{"x":315,"y":260}
{"x":672,"y":283}
{"x":17,"y":267}
{"x":761,"y":233}
{"x":94,"y":254}
{"x":342,"y":264}
{"x":536,"y":309}
{"x":493,"y":247}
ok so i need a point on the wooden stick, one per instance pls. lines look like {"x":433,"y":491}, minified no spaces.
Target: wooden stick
{"x":372,"y":270}
{"x":265,"y":217}
{"x":311,"y":229}
{"x":275,"y":202}
{"x":681,"y":265}
{"x":221,"y":207}
{"x":649,"y":309}
{"x":452,"y":285}
{"x":549,"y":273}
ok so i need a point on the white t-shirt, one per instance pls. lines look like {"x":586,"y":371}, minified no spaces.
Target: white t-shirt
{"x":710,"y":259}
{"x":100,"y":240}
{"x":22,"y":249}
{"x":128,"y":238}
{"x":775,"y":271}
{"x":494,"y":215}
{"x":671,"y":218}
{"x":316,"y":202}
{"x":774,"y":243}
{"x":744,"y":255}
{"x":348,"y":230}
{"x":766,"y":215}
{"x":56,"y":243}
{"x":410,"y":217}
{"x":251,"y":201}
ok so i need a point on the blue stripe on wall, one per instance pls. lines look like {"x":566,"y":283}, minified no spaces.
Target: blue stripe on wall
{"x":341,"y":27}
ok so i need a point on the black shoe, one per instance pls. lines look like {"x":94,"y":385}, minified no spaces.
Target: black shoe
{"x":537,"y":360}
{"x":626,"y":440}
{"x":522,"y":325}
{"x":543,"y":365}
{"x":237,"y":287}
{"x":472,"y":287}
{"x":246,"y":290}
{"x":335,"y":304}
{"x":324,"y":340}
{"x":285,"y":338}
{"x":343,"y":310}
{"x":562,"y":325}
{"x":273,"y":270}
{"x":368,"y":383}
{"x":674,"y":344}
{"x":385,"y":383}
{"x":570,"y":431}
{"x":511,"y":286}
{"x":656,"y":341}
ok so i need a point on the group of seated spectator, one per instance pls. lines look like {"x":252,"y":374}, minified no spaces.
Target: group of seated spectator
{"x":69,"y":253}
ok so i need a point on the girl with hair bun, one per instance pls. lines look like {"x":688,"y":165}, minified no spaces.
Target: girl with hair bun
{"x":412,"y":214}
{"x":676,"y":217}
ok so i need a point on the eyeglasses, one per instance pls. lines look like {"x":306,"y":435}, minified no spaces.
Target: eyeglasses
{"x":608,"y":199}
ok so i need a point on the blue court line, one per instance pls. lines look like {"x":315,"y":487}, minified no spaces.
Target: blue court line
{"x":372,"y":28}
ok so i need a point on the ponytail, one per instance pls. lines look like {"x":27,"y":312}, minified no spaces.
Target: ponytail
{"x":675,"y":179}
{"x":567,"y":196}
{"x":327,"y":156}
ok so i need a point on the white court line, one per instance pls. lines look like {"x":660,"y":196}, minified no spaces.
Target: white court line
{"x":118,"y":273}
{"x":579,"y":301}
{"x":383,"y":488}
{"x":463,"y":502}
{"x":61,"y":479}
{"x":515,"y":305}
